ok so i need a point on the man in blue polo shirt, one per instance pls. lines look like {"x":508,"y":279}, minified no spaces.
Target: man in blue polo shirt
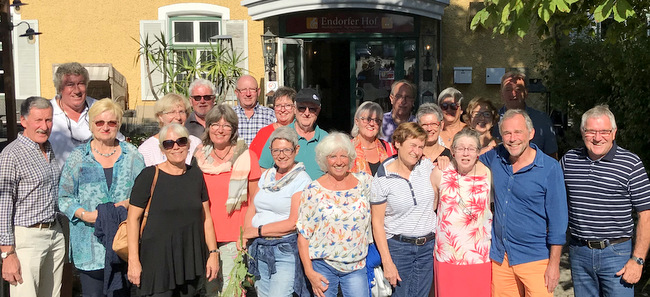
{"x":530,"y":217}
{"x":605,"y":183}
{"x":514,"y":93}
{"x":309,"y":134}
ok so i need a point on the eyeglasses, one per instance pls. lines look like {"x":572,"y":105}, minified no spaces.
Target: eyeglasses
{"x":177,"y":112}
{"x":400,"y":97}
{"x":471,"y":150}
{"x":592,"y":133}
{"x":111,"y":124}
{"x":248,"y":90}
{"x":432,"y":125}
{"x":311,"y":109}
{"x":169,"y":144}
{"x":216,"y":126}
{"x":285,"y":151}
{"x":204,"y":97}
{"x":369,"y":119}
{"x":483,"y":114}
{"x":447,"y":105}
{"x":284,"y":106}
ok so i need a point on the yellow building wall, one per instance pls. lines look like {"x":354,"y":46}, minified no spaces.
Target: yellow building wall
{"x":462,"y":47}
{"x":107,"y":32}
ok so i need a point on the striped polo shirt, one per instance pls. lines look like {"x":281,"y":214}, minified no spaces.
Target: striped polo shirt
{"x":602,"y":193}
{"x":409,"y":202}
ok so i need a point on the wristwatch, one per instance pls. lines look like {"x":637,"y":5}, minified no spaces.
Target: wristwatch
{"x":4,"y":255}
{"x":638,"y":260}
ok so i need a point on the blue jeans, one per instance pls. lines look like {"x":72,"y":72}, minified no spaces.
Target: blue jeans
{"x":281,"y":282}
{"x":353,"y":283}
{"x":415,"y":267}
{"x":594,"y":271}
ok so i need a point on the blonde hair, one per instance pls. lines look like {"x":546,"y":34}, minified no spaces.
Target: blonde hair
{"x":104,"y":105}
{"x":168,"y":102}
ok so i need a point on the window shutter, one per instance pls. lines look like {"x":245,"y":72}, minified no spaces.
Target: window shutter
{"x":26,"y":63}
{"x":150,"y":29}
{"x":238,"y":29}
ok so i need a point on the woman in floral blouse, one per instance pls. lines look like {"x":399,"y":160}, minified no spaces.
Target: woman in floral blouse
{"x":334,"y":222}
{"x":464,"y":221}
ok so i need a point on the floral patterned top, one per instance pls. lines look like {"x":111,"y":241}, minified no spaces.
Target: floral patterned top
{"x":337,"y":223}
{"x":464,"y":219}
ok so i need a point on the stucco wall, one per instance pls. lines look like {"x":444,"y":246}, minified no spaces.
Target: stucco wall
{"x":462,"y":47}
{"x":104,"y":32}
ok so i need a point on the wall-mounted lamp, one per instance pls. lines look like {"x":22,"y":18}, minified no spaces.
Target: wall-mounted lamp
{"x":29,"y":33}
{"x":428,"y":46}
{"x":269,"y":48}
{"x":16,"y":5}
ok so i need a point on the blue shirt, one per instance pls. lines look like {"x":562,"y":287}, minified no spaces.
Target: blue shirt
{"x":388,"y":126}
{"x":306,"y":154}
{"x":544,"y":136}
{"x":248,"y":127}
{"x":530,"y":207}
{"x":83,"y":185}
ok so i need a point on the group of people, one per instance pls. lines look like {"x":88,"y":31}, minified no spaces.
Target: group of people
{"x":431,"y":197}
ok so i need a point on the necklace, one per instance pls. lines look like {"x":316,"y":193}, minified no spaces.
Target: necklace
{"x":105,"y":155}
{"x":224,"y":156}
{"x":466,"y":210}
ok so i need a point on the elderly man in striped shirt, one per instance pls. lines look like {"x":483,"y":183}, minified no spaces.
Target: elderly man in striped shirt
{"x":605,"y":184}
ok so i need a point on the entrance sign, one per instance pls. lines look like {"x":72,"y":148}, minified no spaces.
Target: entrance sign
{"x":349,"y":22}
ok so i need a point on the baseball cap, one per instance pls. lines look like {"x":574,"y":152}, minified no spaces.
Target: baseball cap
{"x":308,"y":95}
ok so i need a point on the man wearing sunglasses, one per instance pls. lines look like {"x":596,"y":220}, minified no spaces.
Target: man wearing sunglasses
{"x":202,"y":95}
{"x":514,"y":93}
{"x":402,"y":98}
{"x":252,"y":116}
{"x":307,"y":108}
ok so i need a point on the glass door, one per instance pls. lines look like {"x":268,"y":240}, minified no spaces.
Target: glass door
{"x":291,"y":59}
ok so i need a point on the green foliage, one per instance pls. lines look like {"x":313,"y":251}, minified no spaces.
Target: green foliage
{"x":239,"y":273}
{"x":180,"y":66}
{"x":515,"y":17}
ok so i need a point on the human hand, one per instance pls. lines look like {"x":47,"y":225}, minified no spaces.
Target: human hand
{"x":631,"y":272}
{"x":11,"y":270}
{"x":212,"y":267}
{"x":391,"y":274}
{"x":134,"y":272}
{"x":442,"y":162}
{"x":319,"y":283}
{"x":90,"y":217}
{"x":124,"y":203}
{"x":551,"y":277}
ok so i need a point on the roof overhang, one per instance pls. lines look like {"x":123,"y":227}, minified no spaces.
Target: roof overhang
{"x":261,"y":9}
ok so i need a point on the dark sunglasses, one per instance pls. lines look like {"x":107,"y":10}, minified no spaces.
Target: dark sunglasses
{"x":111,"y":124}
{"x":169,"y":144}
{"x":204,"y":97}
{"x":311,"y":109}
{"x":446,"y":106}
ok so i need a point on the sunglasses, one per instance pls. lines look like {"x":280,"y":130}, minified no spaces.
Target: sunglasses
{"x":204,"y":97}
{"x":169,"y":144}
{"x":446,"y":106}
{"x":111,"y":124}
{"x":311,"y":109}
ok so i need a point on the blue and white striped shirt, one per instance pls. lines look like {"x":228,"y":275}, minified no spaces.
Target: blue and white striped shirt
{"x":602,"y":193}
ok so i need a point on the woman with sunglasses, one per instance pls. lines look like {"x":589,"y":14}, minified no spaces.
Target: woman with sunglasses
{"x":464,"y":221}
{"x":177,"y":247}
{"x":371,"y":150}
{"x":171,"y":108}
{"x":231,"y":172}
{"x":481,"y":117}
{"x":96,"y":178}
{"x":450,"y":101}
{"x":403,"y":214}
{"x":271,"y":223}
{"x":430,"y":117}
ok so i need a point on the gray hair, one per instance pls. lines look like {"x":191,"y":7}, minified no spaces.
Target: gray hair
{"x":34,"y":102}
{"x":450,"y":92}
{"x":429,"y":108}
{"x":73,"y":68}
{"x":201,"y":82}
{"x":284,"y":92}
{"x":332,"y":143}
{"x":412,"y":86}
{"x":372,"y":108}
{"x":510,"y":113}
{"x":285,"y":132}
{"x":221,"y":111}
{"x":468,"y":132}
{"x":174,"y":127}
{"x":596,"y":112}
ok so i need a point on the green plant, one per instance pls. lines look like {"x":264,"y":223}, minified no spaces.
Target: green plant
{"x":180,"y":66}
{"x":239,"y":273}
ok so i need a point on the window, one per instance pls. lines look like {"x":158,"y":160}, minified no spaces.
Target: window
{"x":191,"y":43}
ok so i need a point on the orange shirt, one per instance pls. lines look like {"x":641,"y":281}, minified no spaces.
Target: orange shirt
{"x":226,"y":227}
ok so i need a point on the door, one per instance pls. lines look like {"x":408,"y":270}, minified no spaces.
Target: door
{"x":291,"y":60}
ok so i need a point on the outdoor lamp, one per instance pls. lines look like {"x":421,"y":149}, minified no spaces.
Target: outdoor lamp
{"x":29,"y":33}
{"x":16,"y":5}
{"x":269,"y":48}
{"x":427,"y":48}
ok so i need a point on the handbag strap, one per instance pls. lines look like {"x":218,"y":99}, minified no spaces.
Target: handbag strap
{"x":146,"y":210}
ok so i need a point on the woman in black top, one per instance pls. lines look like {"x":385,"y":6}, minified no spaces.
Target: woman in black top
{"x":430,"y":118}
